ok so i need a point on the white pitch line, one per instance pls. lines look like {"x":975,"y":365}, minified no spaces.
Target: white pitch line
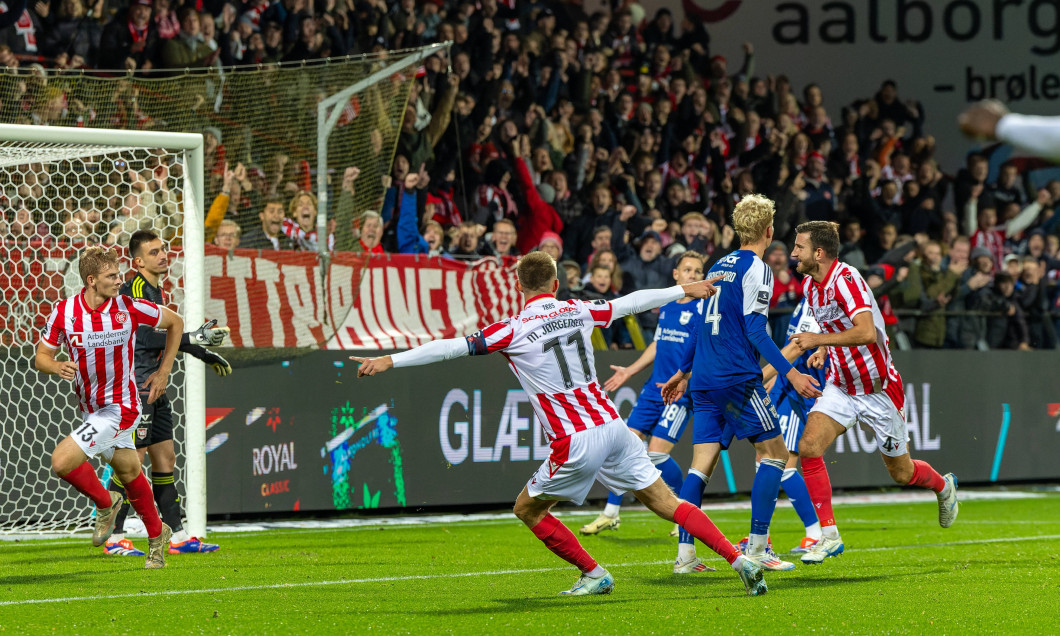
{"x":458,"y":575}
{"x":501,"y":518}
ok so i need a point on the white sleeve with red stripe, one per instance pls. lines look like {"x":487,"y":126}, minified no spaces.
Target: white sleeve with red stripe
{"x":852,"y":293}
{"x":145,"y":312}
{"x":600,"y":311}
{"x":53,"y":333}
{"x":492,"y":339}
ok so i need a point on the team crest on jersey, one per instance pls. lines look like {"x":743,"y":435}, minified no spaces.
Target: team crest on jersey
{"x":141,"y":433}
{"x":121,"y":317}
{"x":685,"y":317}
{"x":830,"y":294}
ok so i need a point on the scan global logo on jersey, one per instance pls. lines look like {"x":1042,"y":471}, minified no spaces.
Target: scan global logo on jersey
{"x":917,"y":420}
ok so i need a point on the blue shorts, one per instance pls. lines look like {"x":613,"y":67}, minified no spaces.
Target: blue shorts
{"x":743,"y":411}
{"x":653,"y":418}
{"x":792,"y":409}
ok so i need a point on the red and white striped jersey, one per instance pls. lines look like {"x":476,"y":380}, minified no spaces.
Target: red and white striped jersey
{"x":101,"y":342}
{"x":548,"y":347}
{"x":857,"y":370}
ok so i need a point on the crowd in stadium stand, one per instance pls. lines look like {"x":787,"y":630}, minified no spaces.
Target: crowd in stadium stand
{"x":614,"y":142}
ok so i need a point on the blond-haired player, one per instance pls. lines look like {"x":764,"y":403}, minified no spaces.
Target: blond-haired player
{"x":728,"y":399}
{"x":98,"y":327}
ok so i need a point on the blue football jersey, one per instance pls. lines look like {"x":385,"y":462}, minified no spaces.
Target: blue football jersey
{"x":724,"y":356}
{"x":802,"y":321}
{"x":673,"y":339}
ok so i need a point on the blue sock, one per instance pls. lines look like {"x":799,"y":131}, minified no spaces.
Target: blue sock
{"x":672,"y":475}
{"x":692,"y":492}
{"x":764,"y":493}
{"x":795,"y":486}
{"x":612,"y":498}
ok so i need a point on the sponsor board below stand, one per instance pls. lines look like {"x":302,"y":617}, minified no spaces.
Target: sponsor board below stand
{"x":307,"y":435}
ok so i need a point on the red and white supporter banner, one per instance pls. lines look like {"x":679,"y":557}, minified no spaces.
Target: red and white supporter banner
{"x":400,"y":301}
{"x":267,"y":298}
{"x":275,"y":299}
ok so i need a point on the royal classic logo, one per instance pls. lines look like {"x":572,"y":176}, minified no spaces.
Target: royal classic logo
{"x":273,"y":458}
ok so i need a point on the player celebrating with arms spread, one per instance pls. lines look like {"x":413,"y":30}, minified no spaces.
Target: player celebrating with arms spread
{"x":548,"y":347}
{"x":863,"y":386}
{"x":651,"y":418}
{"x":98,"y":327}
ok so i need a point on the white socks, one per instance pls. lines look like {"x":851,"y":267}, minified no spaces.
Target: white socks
{"x":756,"y":543}
{"x":180,"y":537}
{"x":830,"y":531}
{"x":116,"y":537}
{"x":596,"y":573}
{"x":814,"y":531}
{"x":611,"y":510}
{"x":686,"y":551}
{"x":738,"y":563}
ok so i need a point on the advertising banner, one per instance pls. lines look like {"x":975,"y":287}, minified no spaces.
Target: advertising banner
{"x":307,"y":435}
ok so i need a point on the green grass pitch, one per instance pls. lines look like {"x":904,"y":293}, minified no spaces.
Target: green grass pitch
{"x":997,"y":570}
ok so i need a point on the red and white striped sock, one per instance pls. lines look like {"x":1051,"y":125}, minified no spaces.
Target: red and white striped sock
{"x":558,"y":538}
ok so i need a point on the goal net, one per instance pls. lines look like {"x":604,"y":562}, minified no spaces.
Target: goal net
{"x":62,"y":189}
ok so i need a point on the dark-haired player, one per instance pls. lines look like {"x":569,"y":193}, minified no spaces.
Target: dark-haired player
{"x":548,"y":347}
{"x":863,"y":385}
{"x":154,"y":435}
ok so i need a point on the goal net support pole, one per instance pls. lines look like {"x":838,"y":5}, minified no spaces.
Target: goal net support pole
{"x":328,"y":112}
{"x":42,"y":143}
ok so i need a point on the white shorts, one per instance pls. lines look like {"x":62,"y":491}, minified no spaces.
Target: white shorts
{"x":875,"y":411}
{"x":610,"y":453}
{"x":108,"y":428}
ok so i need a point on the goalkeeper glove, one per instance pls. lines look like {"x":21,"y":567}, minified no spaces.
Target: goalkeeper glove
{"x":216,"y":362}
{"x":208,"y":335}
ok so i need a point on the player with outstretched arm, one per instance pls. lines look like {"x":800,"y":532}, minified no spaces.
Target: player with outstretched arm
{"x":98,"y":327}
{"x":547,"y":344}
{"x":992,"y":121}
{"x":863,"y":385}
{"x":660,"y":425}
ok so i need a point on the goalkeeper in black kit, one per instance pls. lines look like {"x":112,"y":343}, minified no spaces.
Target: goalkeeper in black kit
{"x":154,"y":435}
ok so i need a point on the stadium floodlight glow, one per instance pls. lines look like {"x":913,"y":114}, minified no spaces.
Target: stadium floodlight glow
{"x":54,"y":177}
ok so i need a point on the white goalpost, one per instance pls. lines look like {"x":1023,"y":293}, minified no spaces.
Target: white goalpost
{"x":60,"y":190}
